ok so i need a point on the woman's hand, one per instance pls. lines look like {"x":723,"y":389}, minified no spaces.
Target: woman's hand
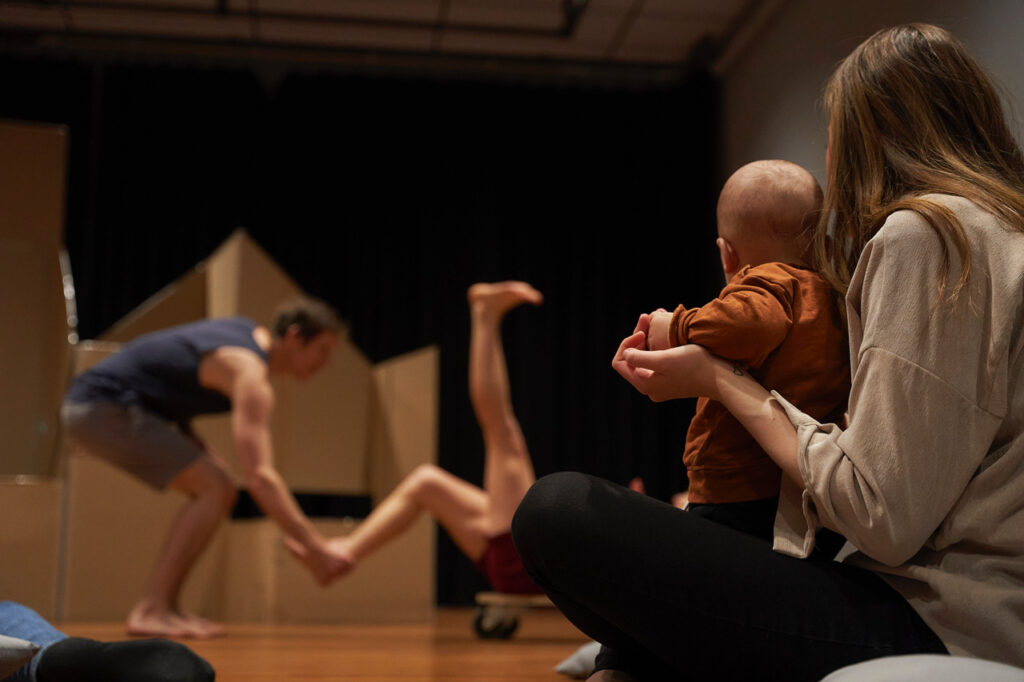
{"x":692,"y":371}
{"x":681,"y":372}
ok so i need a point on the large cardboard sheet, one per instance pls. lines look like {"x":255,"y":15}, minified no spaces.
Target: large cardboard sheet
{"x":34,"y":351}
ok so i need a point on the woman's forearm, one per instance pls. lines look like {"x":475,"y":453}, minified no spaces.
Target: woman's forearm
{"x":762,"y":416}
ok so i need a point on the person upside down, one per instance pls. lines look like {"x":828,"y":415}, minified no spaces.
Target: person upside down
{"x":478,"y":520}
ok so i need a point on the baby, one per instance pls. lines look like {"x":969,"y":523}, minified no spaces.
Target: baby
{"x":775,"y":317}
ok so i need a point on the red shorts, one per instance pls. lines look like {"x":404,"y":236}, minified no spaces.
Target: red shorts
{"x":504,"y":569}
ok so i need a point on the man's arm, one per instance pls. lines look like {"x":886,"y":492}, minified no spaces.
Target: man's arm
{"x":252,"y":404}
{"x":242,"y":376}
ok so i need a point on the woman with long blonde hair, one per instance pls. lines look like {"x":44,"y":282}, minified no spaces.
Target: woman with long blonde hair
{"x":923,"y":236}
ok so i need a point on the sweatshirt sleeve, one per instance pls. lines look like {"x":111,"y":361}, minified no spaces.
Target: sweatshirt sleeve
{"x":918,"y":431}
{"x":746,"y":322}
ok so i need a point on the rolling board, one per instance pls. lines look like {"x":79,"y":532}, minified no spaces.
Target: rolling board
{"x":497,"y":613}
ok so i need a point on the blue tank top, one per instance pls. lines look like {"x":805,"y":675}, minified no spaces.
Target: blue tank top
{"x":160,"y":371}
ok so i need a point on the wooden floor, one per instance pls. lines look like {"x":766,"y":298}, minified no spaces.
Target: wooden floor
{"x":446,"y":649}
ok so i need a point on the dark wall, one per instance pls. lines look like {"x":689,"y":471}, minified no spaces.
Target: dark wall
{"x":388,"y":197}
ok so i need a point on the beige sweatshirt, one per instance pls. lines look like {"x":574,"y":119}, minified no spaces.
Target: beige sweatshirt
{"x":928,"y":480}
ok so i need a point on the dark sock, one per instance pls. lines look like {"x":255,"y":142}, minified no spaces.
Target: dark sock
{"x":142,"y":660}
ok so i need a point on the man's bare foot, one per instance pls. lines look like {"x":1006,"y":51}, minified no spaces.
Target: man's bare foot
{"x":498,"y":298}
{"x":154,"y":621}
{"x":207,"y":627}
{"x":328,"y":564}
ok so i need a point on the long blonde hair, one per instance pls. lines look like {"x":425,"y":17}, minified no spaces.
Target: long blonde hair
{"x":910,"y":113}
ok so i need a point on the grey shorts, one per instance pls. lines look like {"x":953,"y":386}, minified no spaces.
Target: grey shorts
{"x":142,"y":443}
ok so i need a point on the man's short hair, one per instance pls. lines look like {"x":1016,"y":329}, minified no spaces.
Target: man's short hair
{"x":310,"y":315}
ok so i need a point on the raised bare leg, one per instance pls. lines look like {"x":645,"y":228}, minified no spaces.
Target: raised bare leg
{"x":457,"y":505}
{"x":211,"y":494}
{"x":508,"y":471}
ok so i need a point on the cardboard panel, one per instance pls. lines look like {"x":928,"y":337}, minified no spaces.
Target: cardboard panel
{"x":322,"y":425}
{"x":32,"y":182}
{"x":31,"y":511}
{"x":405,"y":414}
{"x":223,"y":270}
{"x":88,"y":354}
{"x":29,"y":357}
{"x":33,"y":352}
{"x":244,"y":280}
{"x":184,"y":300}
{"x":247,"y":579}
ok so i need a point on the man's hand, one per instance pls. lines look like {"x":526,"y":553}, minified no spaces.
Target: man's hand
{"x":323,"y":560}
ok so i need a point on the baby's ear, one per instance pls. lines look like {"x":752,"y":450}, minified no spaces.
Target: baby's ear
{"x":730,"y":259}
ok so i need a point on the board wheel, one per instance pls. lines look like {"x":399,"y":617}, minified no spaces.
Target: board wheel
{"x":494,"y":623}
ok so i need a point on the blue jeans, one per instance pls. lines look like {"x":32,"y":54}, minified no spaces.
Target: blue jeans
{"x":673,"y":596}
{"x":24,"y":623}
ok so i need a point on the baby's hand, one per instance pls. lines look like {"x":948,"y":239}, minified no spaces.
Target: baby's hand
{"x":658,"y":332}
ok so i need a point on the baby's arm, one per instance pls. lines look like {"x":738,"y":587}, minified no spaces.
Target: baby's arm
{"x":744,"y":324}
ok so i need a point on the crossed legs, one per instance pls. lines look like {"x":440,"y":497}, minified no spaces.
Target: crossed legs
{"x":676,"y":596}
{"x":469,"y":514}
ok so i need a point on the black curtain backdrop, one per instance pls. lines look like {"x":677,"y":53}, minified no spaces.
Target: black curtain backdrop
{"x":388,"y":196}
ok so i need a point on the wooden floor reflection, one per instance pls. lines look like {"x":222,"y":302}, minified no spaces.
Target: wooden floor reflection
{"x":445,"y":649}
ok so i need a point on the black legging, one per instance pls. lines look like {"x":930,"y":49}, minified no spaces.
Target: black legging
{"x":678,"y":597}
{"x":142,"y":660}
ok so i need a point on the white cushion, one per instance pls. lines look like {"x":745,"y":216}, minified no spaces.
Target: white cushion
{"x":14,"y":653}
{"x":927,"y":668}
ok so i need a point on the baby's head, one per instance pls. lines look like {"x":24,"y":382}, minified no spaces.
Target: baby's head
{"x":766,"y":212}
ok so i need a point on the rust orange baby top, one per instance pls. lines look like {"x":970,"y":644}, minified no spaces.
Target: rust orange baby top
{"x":779,"y":322}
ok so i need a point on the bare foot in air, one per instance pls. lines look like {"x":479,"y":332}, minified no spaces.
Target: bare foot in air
{"x":498,"y":298}
{"x":155,"y":621}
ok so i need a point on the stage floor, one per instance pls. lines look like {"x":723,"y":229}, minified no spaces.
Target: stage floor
{"x":445,"y":649}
